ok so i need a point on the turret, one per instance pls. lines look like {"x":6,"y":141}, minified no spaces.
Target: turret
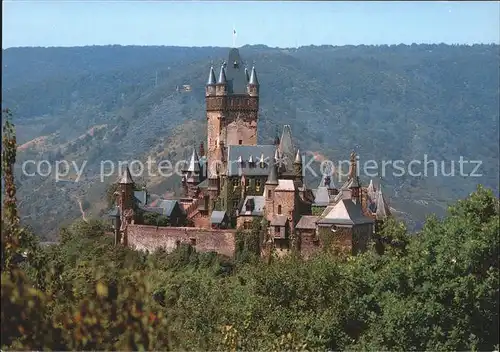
{"x":354,"y":184}
{"x":126,"y":186}
{"x":221,"y":86}
{"x":253,"y":84}
{"x":191,"y":175}
{"x":271,"y":184}
{"x":211,"y":82}
{"x":297,"y":168}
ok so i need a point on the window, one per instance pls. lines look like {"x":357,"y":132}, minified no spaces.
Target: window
{"x":240,"y":142}
{"x":276,"y":230}
{"x":247,"y":225}
{"x":235,"y":204}
{"x":279,"y":209}
{"x":177,"y":243}
{"x":235,"y":182}
{"x":257,"y":185}
{"x":193,"y":241}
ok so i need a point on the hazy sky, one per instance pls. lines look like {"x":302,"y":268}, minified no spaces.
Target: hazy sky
{"x":282,"y":24}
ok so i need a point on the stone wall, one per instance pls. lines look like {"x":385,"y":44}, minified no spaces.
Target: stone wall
{"x":145,"y":237}
{"x":309,"y":242}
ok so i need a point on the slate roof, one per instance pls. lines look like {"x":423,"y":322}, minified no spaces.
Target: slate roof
{"x":285,"y":185}
{"x":245,"y":151}
{"x":253,"y":77}
{"x":217,"y":216}
{"x":126,"y":178}
{"x":142,"y":197}
{"x":203,"y":184}
{"x":286,"y":148}
{"x":211,"y":77}
{"x":279,"y":220}
{"x":321,"y":196}
{"x":258,"y":206}
{"x":382,"y":208}
{"x":272,"y":178}
{"x":235,"y":74}
{"x":194,"y":162}
{"x":222,"y":76}
{"x":164,"y":207}
{"x":345,"y":212}
{"x":307,"y":222}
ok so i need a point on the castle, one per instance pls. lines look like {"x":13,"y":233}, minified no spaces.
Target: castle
{"x":238,"y":183}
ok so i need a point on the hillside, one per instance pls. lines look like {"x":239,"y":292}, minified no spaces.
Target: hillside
{"x":121,"y":103}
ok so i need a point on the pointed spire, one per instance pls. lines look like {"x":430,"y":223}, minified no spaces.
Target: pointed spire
{"x":211,"y":77}
{"x":247,"y":75}
{"x":272,"y":179}
{"x":298,"y":159}
{"x":250,"y":160}
{"x":222,"y":76}
{"x":286,"y":144}
{"x":352,"y":166}
{"x":126,"y":178}
{"x":253,"y":77}
{"x":194,"y":163}
{"x":276,"y":155}
{"x":382,"y":209}
{"x":370,"y":187}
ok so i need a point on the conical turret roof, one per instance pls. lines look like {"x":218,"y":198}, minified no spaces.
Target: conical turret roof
{"x":194,"y":162}
{"x":272,"y":179}
{"x":253,"y":77}
{"x":222,"y":76}
{"x":126,"y":178}
{"x":211,"y":77}
{"x":382,"y":208}
{"x":298,"y":159}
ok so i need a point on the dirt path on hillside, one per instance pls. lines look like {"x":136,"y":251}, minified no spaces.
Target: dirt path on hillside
{"x":81,"y":209}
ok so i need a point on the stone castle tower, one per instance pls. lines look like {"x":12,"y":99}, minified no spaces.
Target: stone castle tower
{"x":232,"y":107}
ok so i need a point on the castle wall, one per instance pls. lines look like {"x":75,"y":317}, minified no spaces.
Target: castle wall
{"x":150,"y":238}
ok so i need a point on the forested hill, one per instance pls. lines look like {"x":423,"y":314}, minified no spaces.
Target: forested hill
{"x":387,"y":102}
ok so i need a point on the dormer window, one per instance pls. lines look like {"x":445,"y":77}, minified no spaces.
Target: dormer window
{"x":257,"y":185}
{"x":251,"y":162}
{"x":250,"y":205}
{"x":235,"y":64}
{"x":262,"y":162}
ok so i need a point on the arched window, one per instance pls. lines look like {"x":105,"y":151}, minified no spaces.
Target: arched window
{"x":279,"y":209}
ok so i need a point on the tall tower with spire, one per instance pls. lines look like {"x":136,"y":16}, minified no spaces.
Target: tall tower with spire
{"x":232,"y":105}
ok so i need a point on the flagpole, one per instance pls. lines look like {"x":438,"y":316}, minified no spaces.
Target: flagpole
{"x":234,"y":37}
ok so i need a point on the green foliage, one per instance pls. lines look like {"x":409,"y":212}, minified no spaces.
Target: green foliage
{"x":155,"y":219}
{"x":317,"y":211}
{"x":392,"y":235}
{"x":248,"y":243}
